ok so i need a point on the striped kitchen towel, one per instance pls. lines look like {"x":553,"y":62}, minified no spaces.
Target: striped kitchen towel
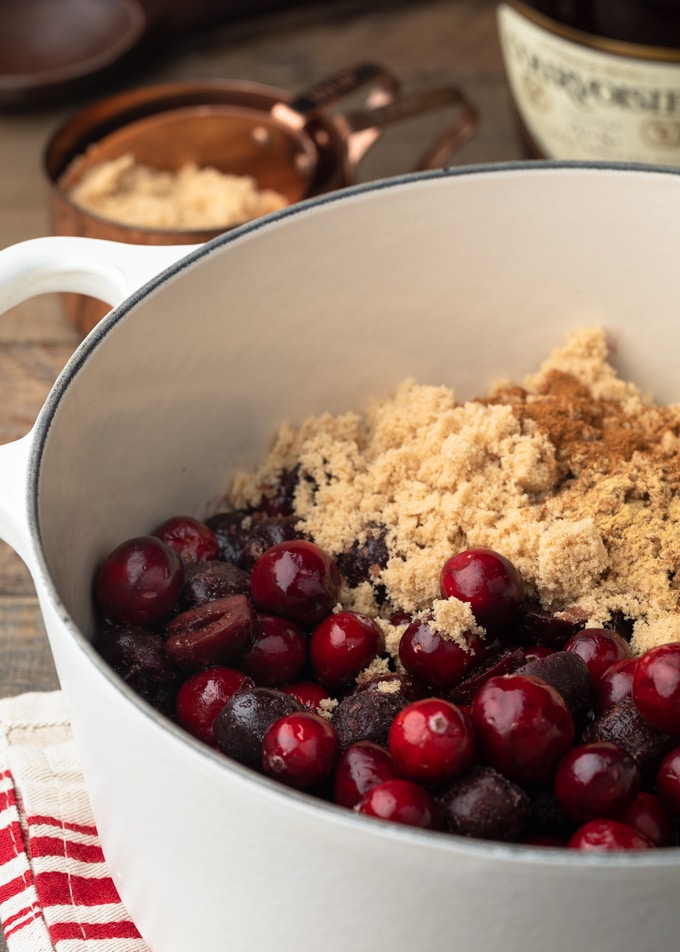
{"x":55,"y":889}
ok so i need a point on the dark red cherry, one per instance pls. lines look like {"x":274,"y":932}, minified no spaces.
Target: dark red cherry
{"x":648,"y":816}
{"x":600,"y":648}
{"x":523,"y":727}
{"x":431,"y":741}
{"x":342,"y":646}
{"x":603,"y":835}
{"x":139,"y":583}
{"x":400,"y":801}
{"x":203,"y":695}
{"x":193,"y":541}
{"x":361,"y":767}
{"x":656,"y":687}
{"x":434,"y":658}
{"x":488,"y":581}
{"x":296,"y":579}
{"x":668,"y":782}
{"x":596,"y":780}
{"x":300,"y":749}
{"x":278,"y":651}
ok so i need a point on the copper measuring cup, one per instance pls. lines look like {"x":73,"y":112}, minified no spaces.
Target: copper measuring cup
{"x":298,"y":145}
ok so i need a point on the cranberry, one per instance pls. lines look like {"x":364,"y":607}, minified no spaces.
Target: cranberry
{"x":656,"y":687}
{"x":668,"y":782}
{"x":140,"y":582}
{"x":361,"y":767}
{"x":435,"y":659}
{"x":604,"y":835}
{"x":203,"y":695}
{"x":213,"y":633}
{"x":296,"y":579}
{"x":278,"y":651}
{"x":400,"y":801}
{"x":300,"y":749}
{"x":600,"y":648}
{"x":488,"y":581}
{"x":486,"y":805}
{"x":240,"y":726}
{"x":615,"y":684}
{"x":431,"y":741}
{"x":307,"y":693}
{"x":193,"y":541}
{"x":596,"y":780}
{"x":341,"y":646}
{"x":523,"y":727}
{"x":648,"y":816}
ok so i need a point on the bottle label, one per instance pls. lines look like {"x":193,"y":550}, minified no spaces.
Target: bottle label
{"x":580,"y":102}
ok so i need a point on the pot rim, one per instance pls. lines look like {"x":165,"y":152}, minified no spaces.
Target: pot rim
{"x":507,"y":852}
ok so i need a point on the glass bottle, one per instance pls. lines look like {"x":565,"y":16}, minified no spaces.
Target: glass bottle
{"x":595,"y":79}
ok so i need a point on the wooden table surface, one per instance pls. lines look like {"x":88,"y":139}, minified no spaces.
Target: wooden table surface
{"x":424,"y":42}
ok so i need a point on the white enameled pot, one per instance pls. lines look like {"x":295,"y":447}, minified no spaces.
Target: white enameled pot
{"x":459,"y":277}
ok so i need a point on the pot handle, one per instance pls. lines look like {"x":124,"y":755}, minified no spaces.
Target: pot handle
{"x":108,"y":270}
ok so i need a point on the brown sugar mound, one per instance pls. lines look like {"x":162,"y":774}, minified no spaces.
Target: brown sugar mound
{"x":573,"y":476}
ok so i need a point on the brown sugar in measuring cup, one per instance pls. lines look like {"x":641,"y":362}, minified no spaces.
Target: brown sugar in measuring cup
{"x":294,"y":145}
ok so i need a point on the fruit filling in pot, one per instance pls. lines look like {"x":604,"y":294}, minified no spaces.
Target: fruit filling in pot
{"x":458,"y":616}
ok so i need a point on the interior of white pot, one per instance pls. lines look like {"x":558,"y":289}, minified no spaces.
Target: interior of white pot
{"x":458,"y":278}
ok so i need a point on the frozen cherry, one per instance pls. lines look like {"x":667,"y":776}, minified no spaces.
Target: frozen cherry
{"x":140,"y":582}
{"x":400,"y":801}
{"x":300,"y":749}
{"x":240,"y":726}
{"x":342,"y":646}
{"x":656,"y":687}
{"x":278,"y":651}
{"x":435,"y":659}
{"x":192,"y":540}
{"x":431,"y":741}
{"x":648,"y":816}
{"x":367,"y":715}
{"x":567,"y":673}
{"x":136,"y":655}
{"x":596,"y":780}
{"x":615,"y":684}
{"x":207,"y":581}
{"x":505,"y":661}
{"x":484,"y":804}
{"x":523,"y":727}
{"x":307,"y":693}
{"x":622,"y":724}
{"x":488,"y":581}
{"x":203,"y":695}
{"x":361,"y":767}
{"x":600,"y":648}
{"x":668,"y":782}
{"x":603,"y":835}
{"x":214,"y":633}
{"x":296,"y":579}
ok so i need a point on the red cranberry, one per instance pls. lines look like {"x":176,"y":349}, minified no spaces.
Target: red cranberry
{"x":400,"y":801}
{"x":600,"y":648}
{"x":341,"y":646}
{"x":615,"y":684}
{"x":203,"y":695}
{"x":434,"y":659}
{"x":668,"y":782}
{"x":523,"y":727}
{"x":361,"y":767}
{"x":596,"y":780}
{"x":296,"y":579}
{"x":278,"y":652}
{"x":307,"y":693}
{"x":140,"y":582}
{"x":431,"y":741}
{"x":193,"y":541}
{"x":488,"y":581}
{"x":656,"y":687}
{"x":601,"y":836}
{"x":300,"y":749}
{"x":648,"y":816}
